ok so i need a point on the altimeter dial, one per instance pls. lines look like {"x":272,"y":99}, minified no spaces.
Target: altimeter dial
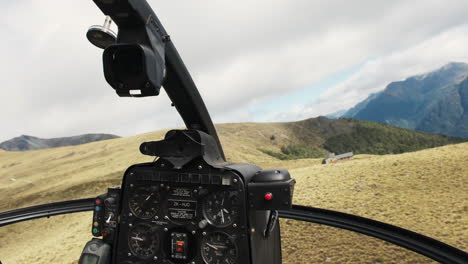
{"x":217,"y":248}
{"x":144,"y":202}
{"x":143,"y":241}
{"x":221,"y":208}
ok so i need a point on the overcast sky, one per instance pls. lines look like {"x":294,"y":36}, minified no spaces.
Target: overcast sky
{"x":252,"y":60}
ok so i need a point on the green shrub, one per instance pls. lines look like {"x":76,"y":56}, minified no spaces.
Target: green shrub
{"x":374,"y":138}
{"x":295,"y":151}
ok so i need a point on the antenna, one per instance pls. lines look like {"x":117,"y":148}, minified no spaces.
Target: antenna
{"x":102,"y":36}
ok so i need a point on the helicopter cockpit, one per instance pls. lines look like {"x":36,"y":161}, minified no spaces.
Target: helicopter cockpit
{"x":190,"y":205}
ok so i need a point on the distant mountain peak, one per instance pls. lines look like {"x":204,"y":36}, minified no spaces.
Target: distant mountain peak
{"x":434,"y":102}
{"x":26,"y":142}
{"x":27,"y":137}
{"x":454,"y":68}
{"x":336,"y":114}
{"x":354,"y":110}
{"x":454,"y":64}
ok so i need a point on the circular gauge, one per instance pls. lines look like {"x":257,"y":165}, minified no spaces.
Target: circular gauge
{"x":144,"y":202}
{"x":221,"y":208}
{"x":143,"y":241}
{"x":218,"y":247}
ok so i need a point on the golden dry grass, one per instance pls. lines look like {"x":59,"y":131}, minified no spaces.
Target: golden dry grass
{"x":313,"y":243}
{"x":425,"y":191}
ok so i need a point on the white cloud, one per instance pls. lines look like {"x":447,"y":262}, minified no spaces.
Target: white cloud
{"x":238,"y":53}
{"x":377,"y":73}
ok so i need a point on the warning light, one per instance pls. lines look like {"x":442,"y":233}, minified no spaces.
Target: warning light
{"x":98,"y":202}
{"x":96,"y":224}
{"x":180,"y":246}
{"x":95,"y":230}
{"x":268,"y":196}
{"x":97,"y":208}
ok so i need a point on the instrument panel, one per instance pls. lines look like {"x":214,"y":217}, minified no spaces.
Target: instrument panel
{"x":182,"y":216}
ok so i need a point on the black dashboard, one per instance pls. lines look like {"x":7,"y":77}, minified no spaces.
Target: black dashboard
{"x":170,"y":216}
{"x":163,"y":215}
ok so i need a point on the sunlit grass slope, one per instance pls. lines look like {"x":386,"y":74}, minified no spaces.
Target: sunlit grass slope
{"x":424,"y":191}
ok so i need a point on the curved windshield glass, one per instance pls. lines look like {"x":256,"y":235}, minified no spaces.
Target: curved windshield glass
{"x":62,"y":237}
{"x":304,"y":242}
{"x":422,"y":191}
{"x":56,"y":239}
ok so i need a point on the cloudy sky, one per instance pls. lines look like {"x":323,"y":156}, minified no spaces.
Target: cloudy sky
{"x":252,"y":60}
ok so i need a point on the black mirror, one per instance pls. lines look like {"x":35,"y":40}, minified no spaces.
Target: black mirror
{"x":101,"y":36}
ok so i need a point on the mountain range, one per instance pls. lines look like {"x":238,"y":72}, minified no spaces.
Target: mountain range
{"x":310,"y":138}
{"x":23,"y":142}
{"x":435,"y":102}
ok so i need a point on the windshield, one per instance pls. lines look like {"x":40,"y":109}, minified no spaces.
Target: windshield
{"x":366,"y":105}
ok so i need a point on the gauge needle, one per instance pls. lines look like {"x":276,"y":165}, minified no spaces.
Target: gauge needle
{"x":149,"y":196}
{"x":216,"y":247}
{"x":212,"y":246}
{"x":108,"y":219}
{"x":222,"y":216}
{"x":225,"y":210}
{"x":138,"y":238}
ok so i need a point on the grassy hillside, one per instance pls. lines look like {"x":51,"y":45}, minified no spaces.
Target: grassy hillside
{"x":425,"y":191}
{"x":313,"y":138}
{"x":375,"y":138}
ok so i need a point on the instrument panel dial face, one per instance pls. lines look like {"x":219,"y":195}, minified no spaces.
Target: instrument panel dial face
{"x":144,"y":202}
{"x":221,"y":208}
{"x":218,"y":248}
{"x":143,"y":241}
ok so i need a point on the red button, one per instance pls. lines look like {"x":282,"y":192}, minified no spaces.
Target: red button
{"x":268,"y":196}
{"x":98,"y":202}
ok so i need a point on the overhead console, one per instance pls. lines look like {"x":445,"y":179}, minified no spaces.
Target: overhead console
{"x":190,"y":207}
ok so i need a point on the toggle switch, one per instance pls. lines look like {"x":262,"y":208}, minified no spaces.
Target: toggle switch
{"x":202,"y":224}
{"x":179,"y":245}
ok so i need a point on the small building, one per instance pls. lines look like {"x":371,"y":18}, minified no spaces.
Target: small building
{"x":331,"y":157}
